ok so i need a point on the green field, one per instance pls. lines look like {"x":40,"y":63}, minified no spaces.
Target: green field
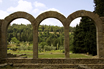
{"x":49,"y":54}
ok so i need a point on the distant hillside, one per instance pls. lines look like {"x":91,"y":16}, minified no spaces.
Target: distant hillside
{"x":25,"y":32}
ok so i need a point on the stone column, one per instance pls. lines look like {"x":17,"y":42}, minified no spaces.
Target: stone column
{"x":0,"y":40}
{"x":35,"y":42}
{"x":66,"y":42}
{"x":100,"y":45}
{"x":100,"y":40}
{"x":3,"y":41}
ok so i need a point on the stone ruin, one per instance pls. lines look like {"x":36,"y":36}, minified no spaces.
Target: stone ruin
{"x":35,"y":22}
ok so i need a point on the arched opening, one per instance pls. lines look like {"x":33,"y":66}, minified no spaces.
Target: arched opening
{"x":51,"y":39}
{"x":83,"y":38}
{"x":98,"y":24}
{"x":20,"y":39}
{"x":51,"y":14}
{"x":6,"y":22}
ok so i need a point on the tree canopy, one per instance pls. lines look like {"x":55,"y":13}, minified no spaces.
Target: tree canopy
{"x":47,"y":35}
{"x":85,"y":37}
{"x":85,"y":32}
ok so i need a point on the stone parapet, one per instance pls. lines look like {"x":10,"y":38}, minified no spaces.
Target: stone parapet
{"x":56,"y":63}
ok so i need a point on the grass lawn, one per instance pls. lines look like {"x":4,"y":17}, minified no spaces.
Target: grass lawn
{"x":49,"y":54}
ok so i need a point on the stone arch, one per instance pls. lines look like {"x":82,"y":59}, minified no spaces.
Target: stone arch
{"x":51,"y":14}
{"x":98,"y":24}
{"x":57,"y":15}
{"x":6,"y":23}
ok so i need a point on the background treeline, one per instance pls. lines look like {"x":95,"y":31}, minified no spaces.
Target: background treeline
{"x":25,"y":32}
{"x":48,"y":36}
{"x":21,"y":32}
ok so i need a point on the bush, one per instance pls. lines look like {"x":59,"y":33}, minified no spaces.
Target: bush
{"x":14,"y":40}
{"x":61,"y":48}
{"x":47,"y":48}
{"x":43,"y":44}
{"x":14,"y":48}
{"x":40,"y":48}
{"x":63,"y":51}
{"x":22,"y":47}
{"x":30,"y":47}
{"x":53,"y":48}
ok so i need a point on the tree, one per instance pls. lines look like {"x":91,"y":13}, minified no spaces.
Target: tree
{"x":71,"y":41}
{"x":49,"y":41}
{"x":43,"y":44}
{"x":47,"y":35}
{"x":14,"y":39}
{"x":23,"y":47}
{"x":99,"y":7}
{"x":85,"y":37}
{"x":90,"y":44}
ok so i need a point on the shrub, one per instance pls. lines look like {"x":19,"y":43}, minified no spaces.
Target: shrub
{"x":23,"y":47}
{"x":63,"y":51}
{"x":40,"y":48}
{"x":14,"y":48}
{"x":30,"y":47}
{"x":61,"y":48}
{"x":47,"y":48}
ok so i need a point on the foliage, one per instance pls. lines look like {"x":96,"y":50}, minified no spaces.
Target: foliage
{"x":14,"y":40}
{"x":49,"y":48}
{"x":61,"y":48}
{"x":21,"y":32}
{"x":85,"y":37}
{"x":25,"y":32}
{"x":30,"y":47}
{"x":13,"y":47}
{"x":40,"y":49}
{"x":99,"y":7}
{"x":85,"y":41}
{"x":23,"y":47}
{"x":42,"y":44}
{"x":52,"y":36}
{"x":71,"y":36}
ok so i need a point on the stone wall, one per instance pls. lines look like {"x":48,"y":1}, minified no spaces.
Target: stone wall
{"x":56,"y":61}
{"x":1,"y":52}
{"x":52,"y":14}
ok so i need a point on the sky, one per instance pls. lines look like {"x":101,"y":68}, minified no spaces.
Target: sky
{"x":36,"y":7}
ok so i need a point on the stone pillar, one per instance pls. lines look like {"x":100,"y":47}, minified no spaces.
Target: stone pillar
{"x":35,"y":42}
{"x":3,"y":42}
{"x":0,"y":40}
{"x":100,"y":40}
{"x":66,"y":42}
{"x":100,"y":45}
